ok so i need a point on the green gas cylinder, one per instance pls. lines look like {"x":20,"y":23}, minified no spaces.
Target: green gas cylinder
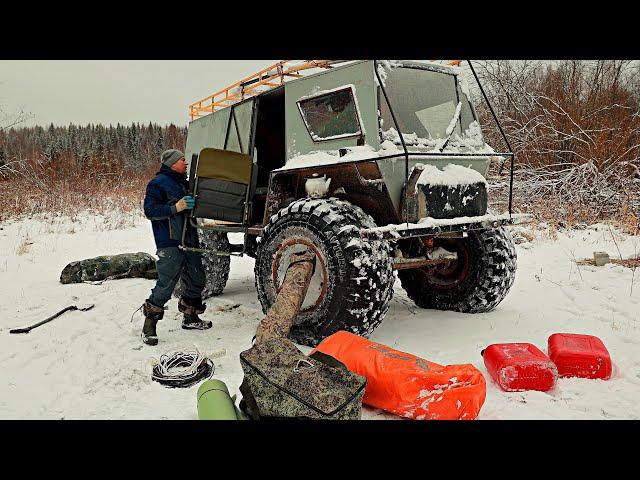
{"x":214,"y":401}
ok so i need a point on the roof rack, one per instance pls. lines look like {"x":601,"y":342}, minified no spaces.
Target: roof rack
{"x":260,"y":82}
{"x":266,"y":79}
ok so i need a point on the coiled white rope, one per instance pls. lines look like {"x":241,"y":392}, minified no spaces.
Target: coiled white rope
{"x":183,"y":368}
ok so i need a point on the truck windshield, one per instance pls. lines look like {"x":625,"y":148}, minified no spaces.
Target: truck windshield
{"x":425,"y":104}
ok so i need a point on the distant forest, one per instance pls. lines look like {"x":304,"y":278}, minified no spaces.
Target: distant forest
{"x":65,"y":170}
{"x":134,"y":146}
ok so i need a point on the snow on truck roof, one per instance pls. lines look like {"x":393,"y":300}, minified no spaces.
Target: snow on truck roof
{"x":277,"y":74}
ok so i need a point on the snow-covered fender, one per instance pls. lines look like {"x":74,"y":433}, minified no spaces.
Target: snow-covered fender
{"x":358,"y":182}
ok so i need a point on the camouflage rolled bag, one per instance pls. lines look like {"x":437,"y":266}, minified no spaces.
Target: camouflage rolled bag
{"x":110,"y":267}
{"x":282,"y":382}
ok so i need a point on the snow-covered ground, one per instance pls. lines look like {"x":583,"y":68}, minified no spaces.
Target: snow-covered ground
{"x":93,"y":365}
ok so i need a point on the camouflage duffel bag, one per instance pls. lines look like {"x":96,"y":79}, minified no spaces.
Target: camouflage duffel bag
{"x":110,"y":267}
{"x":282,"y":382}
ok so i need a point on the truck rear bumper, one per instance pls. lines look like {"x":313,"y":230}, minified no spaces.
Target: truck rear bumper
{"x":439,"y":226}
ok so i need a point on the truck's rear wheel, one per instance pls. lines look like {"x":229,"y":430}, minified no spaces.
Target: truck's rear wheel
{"x":353,"y":280}
{"x":216,"y":267}
{"x":476,"y":282}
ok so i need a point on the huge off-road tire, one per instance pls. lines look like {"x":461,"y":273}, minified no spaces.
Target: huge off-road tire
{"x":474,"y":283}
{"x":353,"y":279}
{"x":216,"y":267}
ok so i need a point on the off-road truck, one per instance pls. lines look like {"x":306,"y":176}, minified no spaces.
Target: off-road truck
{"x":375,"y":166}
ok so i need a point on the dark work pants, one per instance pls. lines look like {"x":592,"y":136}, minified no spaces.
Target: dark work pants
{"x":174,"y":264}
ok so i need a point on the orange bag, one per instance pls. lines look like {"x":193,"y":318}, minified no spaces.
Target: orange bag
{"x":407,"y":385}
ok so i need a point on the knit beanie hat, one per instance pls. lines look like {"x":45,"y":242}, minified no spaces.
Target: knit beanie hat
{"x":169,"y":157}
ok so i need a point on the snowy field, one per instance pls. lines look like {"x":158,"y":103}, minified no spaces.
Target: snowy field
{"x":90,"y":365}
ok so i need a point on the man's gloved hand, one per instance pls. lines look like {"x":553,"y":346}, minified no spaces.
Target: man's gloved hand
{"x":185,"y":203}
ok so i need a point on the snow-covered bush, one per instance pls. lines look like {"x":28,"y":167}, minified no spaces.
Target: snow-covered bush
{"x":575,"y":128}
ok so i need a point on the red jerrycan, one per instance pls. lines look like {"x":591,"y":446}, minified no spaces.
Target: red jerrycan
{"x":520,"y":366}
{"x":577,"y":355}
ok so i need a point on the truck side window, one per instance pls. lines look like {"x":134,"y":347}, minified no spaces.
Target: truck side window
{"x":331,"y":115}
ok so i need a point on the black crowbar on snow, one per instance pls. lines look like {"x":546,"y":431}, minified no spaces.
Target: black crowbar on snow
{"x":72,"y":307}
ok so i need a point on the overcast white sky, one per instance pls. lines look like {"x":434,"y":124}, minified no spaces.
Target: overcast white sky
{"x":112,"y":91}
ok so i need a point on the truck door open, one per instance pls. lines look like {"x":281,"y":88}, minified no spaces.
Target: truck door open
{"x":221,"y":185}
{"x":221,"y":180}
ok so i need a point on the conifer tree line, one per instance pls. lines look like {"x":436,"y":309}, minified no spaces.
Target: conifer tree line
{"x":135,"y":146}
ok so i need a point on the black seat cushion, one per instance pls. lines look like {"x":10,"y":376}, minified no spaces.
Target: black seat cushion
{"x":220,"y":200}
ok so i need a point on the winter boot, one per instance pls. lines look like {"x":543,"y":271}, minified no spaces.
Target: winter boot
{"x":152,"y":315}
{"x":191,"y":307}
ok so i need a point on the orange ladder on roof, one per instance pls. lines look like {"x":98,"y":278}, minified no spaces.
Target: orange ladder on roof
{"x":259,"y":82}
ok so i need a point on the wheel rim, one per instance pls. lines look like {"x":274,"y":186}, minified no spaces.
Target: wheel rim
{"x":319,"y":281}
{"x":455,"y":272}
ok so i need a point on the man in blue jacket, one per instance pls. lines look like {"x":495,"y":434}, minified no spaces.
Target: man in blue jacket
{"x":165,"y":204}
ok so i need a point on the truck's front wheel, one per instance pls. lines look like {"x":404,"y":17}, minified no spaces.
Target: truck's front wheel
{"x":477,"y":281}
{"x":353,"y":279}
